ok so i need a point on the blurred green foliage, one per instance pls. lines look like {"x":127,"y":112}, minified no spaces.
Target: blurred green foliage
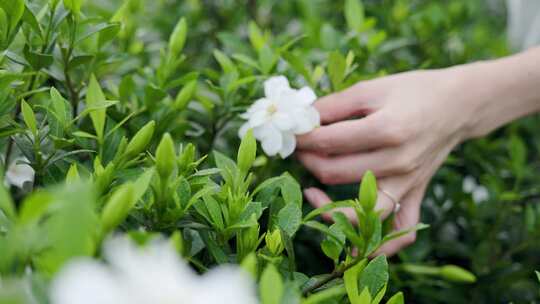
{"x":109,"y":93}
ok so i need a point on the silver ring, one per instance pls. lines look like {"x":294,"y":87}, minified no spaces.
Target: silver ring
{"x":396,"y":203}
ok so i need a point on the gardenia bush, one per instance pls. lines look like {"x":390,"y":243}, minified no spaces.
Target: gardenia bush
{"x":124,"y":180}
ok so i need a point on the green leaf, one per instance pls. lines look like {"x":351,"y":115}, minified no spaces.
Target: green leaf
{"x":329,"y":207}
{"x":256,"y":36}
{"x":14,"y":10}
{"x":95,"y":97}
{"x":214,"y":210}
{"x":354,"y":14}
{"x":60,"y":113}
{"x":80,"y":60}
{"x":337,"y":67}
{"x":37,"y":60}
{"x":228,"y":167}
{"x":538,"y":275}
{"x":396,"y":299}
{"x":34,"y":206}
{"x":29,"y":18}
{"x":368,"y":191}
{"x":118,"y":207}
{"x":400,"y":233}
{"x":108,"y":33}
{"x":29,"y":117}
{"x":364,"y":298}
{"x":271,"y":286}
{"x":290,"y":190}
{"x":72,"y":174}
{"x":142,"y":183}
{"x":375,"y":275}
{"x":290,"y":219}
{"x":247,"y":152}
{"x":74,"y":6}
{"x":325,"y":295}
{"x":225,"y":62}
{"x":267,"y":59}
{"x":351,"y":278}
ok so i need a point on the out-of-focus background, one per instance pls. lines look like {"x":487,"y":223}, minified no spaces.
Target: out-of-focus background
{"x":483,"y":206}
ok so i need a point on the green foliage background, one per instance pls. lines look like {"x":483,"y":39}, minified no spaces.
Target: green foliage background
{"x":316,"y":42}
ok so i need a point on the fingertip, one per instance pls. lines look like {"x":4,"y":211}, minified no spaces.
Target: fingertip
{"x":316,"y":197}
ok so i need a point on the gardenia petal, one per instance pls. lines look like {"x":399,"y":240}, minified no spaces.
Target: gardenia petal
{"x":259,"y":105}
{"x":305,"y":96}
{"x":86,"y":282}
{"x":283,"y":121}
{"x":243,"y":130}
{"x":306,"y":120}
{"x":19,"y":173}
{"x":289,"y":144}
{"x":226,"y":284}
{"x":272,"y":140}
{"x":258,"y":118}
{"x":274,"y":87}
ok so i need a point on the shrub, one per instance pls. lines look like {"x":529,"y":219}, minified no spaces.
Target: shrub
{"x":127,"y":113}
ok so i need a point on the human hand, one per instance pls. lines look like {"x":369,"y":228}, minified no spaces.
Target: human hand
{"x":410,"y":123}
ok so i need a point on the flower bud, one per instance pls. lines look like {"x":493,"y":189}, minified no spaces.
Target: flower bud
{"x":456,"y":274}
{"x":103,"y":177}
{"x":165,"y":157}
{"x":117,"y":207}
{"x":368,"y":191}
{"x":247,"y":241}
{"x":274,"y":242}
{"x":186,"y":158}
{"x":247,"y":152}
{"x":178,"y":38}
{"x":141,"y":139}
{"x":184,"y":96}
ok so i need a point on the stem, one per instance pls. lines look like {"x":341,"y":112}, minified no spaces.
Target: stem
{"x":337,"y":273}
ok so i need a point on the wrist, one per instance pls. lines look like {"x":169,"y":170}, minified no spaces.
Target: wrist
{"x":494,"y":93}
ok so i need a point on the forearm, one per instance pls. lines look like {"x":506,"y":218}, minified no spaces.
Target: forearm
{"x":499,"y":91}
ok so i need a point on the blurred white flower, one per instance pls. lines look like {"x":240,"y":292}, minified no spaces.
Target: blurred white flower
{"x":279,"y":116}
{"x":152,"y":274}
{"x":479,"y":193}
{"x":19,"y":172}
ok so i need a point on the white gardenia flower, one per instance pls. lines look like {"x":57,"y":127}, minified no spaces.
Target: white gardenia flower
{"x":279,"y":116}
{"x":152,"y":274}
{"x":19,"y":172}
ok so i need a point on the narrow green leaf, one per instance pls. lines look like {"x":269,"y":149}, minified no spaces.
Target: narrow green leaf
{"x":94,"y":97}
{"x":271,"y":286}
{"x":354,"y":14}
{"x":329,"y":207}
{"x":214,"y":211}
{"x":396,"y":299}
{"x":29,"y":117}
{"x":337,"y":68}
{"x":351,"y":278}
{"x":256,"y":36}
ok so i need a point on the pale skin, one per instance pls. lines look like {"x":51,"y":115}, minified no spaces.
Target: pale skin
{"x":402,"y":127}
